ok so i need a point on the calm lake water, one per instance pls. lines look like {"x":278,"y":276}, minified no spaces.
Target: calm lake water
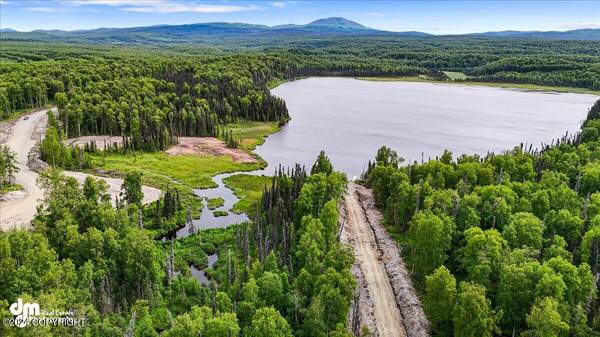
{"x":350,"y":119}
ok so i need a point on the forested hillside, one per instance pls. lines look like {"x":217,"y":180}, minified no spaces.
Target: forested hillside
{"x":150,"y":99}
{"x":503,"y":245}
{"x":511,"y":60}
{"x":150,"y":94}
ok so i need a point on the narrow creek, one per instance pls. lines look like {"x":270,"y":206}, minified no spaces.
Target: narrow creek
{"x":200,"y":274}
{"x":207,"y":218}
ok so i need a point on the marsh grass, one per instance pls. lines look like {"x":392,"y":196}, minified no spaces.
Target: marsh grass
{"x":214,"y":203}
{"x":248,"y":188}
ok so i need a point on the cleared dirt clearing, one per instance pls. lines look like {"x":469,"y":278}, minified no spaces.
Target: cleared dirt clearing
{"x":99,"y":140}
{"x":209,"y":146}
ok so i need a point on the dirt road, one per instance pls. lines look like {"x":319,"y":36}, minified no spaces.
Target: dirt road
{"x":19,"y":211}
{"x":387,"y":315}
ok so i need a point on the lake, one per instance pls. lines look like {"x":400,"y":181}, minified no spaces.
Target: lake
{"x":350,"y":119}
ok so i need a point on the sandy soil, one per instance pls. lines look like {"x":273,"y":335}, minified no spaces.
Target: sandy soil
{"x":21,"y":136}
{"x":100,"y":141}
{"x":362,"y":310}
{"x":209,"y":146}
{"x":387,"y":315}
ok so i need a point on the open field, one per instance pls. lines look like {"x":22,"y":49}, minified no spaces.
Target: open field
{"x":190,"y":163}
{"x":160,"y":168}
{"x":455,"y":75}
{"x":248,"y":188}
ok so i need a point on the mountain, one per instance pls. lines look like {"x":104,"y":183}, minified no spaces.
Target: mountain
{"x":577,"y":34}
{"x":210,"y":33}
{"x":337,"y":23}
{"x":225,"y":33}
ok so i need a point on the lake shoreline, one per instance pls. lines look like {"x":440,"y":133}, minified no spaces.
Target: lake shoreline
{"x":468,"y":102}
{"x":503,"y":85}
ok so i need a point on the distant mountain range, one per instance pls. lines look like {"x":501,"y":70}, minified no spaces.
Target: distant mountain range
{"x":219,"y":32}
{"x":577,"y":34}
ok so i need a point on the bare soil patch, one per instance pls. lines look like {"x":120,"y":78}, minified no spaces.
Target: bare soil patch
{"x":209,"y":146}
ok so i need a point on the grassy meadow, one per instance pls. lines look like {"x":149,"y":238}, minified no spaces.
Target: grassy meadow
{"x":252,"y":133}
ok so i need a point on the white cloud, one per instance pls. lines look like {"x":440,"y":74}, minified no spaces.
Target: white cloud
{"x":162,"y":6}
{"x":45,"y":9}
{"x":172,"y":7}
{"x":59,"y":9}
{"x":113,"y":2}
{"x":2,"y":2}
{"x":279,"y":4}
{"x":583,"y":25}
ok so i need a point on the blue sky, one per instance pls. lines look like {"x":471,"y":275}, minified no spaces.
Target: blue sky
{"x":437,"y":17}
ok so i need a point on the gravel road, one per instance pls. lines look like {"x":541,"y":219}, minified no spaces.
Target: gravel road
{"x":22,"y":136}
{"x":387,"y":315}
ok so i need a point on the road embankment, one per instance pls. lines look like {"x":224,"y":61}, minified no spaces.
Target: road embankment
{"x":390,"y":295}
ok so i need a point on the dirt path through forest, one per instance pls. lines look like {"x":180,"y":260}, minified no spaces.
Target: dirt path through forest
{"x":387,"y":315}
{"x":22,"y":136}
